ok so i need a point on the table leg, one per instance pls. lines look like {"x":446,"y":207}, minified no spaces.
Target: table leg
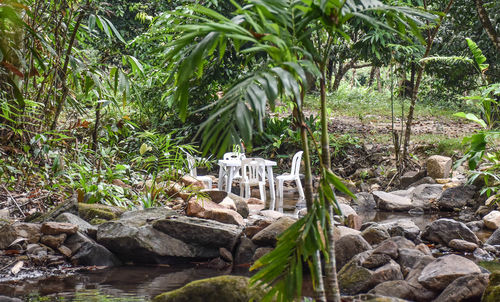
{"x":221,"y":178}
{"x":230,"y":175}
{"x":272,"y":192}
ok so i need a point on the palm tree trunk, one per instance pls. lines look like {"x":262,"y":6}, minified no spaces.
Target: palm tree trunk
{"x":319,"y":290}
{"x":332,"y":286}
{"x":308,"y":186}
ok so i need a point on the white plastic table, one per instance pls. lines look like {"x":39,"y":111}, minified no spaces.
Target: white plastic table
{"x":232,"y":164}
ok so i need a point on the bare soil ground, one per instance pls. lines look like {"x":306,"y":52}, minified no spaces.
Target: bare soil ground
{"x":374,"y":125}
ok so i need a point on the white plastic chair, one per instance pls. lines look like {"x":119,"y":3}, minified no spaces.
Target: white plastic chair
{"x":192,"y":171}
{"x":253,"y":173}
{"x":232,"y":156}
{"x":294,"y":175}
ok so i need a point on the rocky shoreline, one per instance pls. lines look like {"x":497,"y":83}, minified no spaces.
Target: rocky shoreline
{"x":393,"y":259}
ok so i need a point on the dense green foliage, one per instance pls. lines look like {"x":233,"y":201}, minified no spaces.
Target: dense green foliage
{"x":106,"y":98}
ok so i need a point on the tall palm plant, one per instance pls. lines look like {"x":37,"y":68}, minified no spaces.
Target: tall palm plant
{"x":280,"y":35}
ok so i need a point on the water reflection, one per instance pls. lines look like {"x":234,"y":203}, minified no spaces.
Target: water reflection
{"x":420,"y":220}
{"x":131,"y":283}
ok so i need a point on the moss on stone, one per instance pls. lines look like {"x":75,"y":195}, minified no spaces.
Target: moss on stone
{"x":69,"y":206}
{"x":96,"y":221}
{"x":89,"y":212}
{"x":492,"y":291}
{"x":354,"y":278}
{"x":217,"y":289}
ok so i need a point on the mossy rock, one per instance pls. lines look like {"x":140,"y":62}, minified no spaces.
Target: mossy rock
{"x":492,"y":291}
{"x":491,"y":266}
{"x":216,"y":289}
{"x":96,"y":221}
{"x":371,"y":298}
{"x":69,"y":206}
{"x":99,"y":212}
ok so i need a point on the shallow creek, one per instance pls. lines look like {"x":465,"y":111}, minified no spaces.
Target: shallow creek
{"x":142,"y":283}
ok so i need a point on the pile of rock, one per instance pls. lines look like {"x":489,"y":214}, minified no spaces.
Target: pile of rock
{"x":379,"y":262}
{"x":52,"y":243}
{"x":213,"y":229}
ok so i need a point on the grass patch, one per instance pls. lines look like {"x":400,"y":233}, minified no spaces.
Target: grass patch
{"x":365,"y":103}
{"x":427,"y":144}
{"x":441,"y":144}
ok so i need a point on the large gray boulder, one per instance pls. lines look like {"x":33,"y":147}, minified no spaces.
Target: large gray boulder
{"x":91,"y":253}
{"x":375,"y":234}
{"x":31,"y":231}
{"x":349,"y":246}
{"x":202,"y":232}
{"x":394,"y":288}
{"x":438,"y":274}
{"x":422,"y":294}
{"x":134,"y":238}
{"x":74,"y":242}
{"x":425,"y":194}
{"x":466,"y":288}
{"x":245,"y":251}
{"x":444,"y":230}
{"x":402,"y":227}
{"x":409,"y":258}
{"x":354,"y":278}
{"x":494,"y":238}
{"x":269,"y":235}
{"x":83,"y":226}
{"x":392,"y":202}
{"x":7,"y":234}
{"x":457,"y":197}
{"x":371,"y":298}
{"x":401,"y":242}
{"x":411,"y":177}
{"x":364,"y":202}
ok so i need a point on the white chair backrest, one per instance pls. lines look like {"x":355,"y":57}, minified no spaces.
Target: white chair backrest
{"x":191,"y":165}
{"x":253,"y":169}
{"x":233,"y":155}
{"x":296,"y":163}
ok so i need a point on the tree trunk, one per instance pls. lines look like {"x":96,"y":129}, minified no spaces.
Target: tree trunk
{"x":353,"y":79}
{"x":379,"y":81}
{"x":372,"y":76}
{"x":412,"y":77}
{"x":487,"y":25}
{"x":338,"y":76}
{"x":329,"y":68}
{"x":430,"y":39}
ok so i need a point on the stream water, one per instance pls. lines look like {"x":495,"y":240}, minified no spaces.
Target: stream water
{"x":142,"y":283}
{"x":127,"y":283}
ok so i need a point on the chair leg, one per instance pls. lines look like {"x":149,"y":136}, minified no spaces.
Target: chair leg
{"x":299,"y":187}
{"x":272,"y":204}
{"x":262,"y":191}
{"x":247,"y":191}
{"x":282,"y":183}
{"x":242,"y":189}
